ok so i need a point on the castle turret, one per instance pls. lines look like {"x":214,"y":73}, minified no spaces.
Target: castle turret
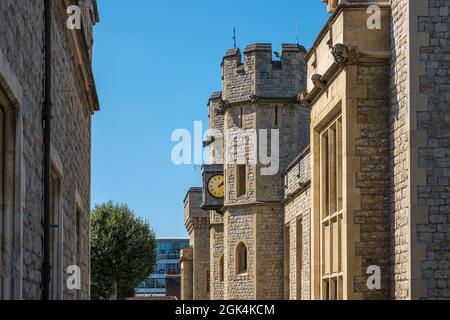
{"x":264,"y":129}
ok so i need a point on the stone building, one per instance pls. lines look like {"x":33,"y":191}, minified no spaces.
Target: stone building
{"x":24,"y":81}
{"x":360,"y":204}
{"x":195,"y":270}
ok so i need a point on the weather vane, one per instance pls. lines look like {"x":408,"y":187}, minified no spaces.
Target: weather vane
{"x":234,"y":37}
{"x":297,"y":32}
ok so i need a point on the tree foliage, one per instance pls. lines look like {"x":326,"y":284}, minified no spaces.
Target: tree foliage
{"x":123,"y":251}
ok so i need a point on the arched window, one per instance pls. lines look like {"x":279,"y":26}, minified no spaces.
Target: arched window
{"x":10,"y":196}
{"x":241,"y":258}
{"x":221,"y":269}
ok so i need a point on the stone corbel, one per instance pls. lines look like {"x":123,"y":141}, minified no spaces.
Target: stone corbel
{"x":345,"y":54}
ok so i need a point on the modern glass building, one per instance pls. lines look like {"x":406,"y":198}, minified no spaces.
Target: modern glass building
{"x":167,"y":264}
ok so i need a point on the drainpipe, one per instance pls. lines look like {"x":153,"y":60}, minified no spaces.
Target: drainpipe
{"x":47,"y":116}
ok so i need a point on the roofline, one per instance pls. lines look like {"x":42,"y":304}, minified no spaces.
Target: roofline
{"x":193,"y":189}
{"x":297,"y":159}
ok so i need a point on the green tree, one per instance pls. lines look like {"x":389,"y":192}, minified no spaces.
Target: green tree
{"x":123,"y":251}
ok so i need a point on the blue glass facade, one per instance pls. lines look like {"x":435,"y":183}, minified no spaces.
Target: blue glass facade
{"x":167,"y":263}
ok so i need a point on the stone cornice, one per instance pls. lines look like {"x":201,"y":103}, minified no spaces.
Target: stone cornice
{"x":343,"y":55}
{"x":82,"y":57}
{"x":333,"y":18}
{"x":301,"y":188}
{"x":252,"y":203}
{"x":255,"y":100}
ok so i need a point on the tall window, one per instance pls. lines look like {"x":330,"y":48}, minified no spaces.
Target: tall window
{"x":299,"y":256}
{"x":241,"y":118}
{"x":10,"y":217}
{"x":55,"y":248}
{"x":241,"y":178}
{"x":275,"y":116}
{"x":287,"y":262}
{"x":331,"y":211}
{"x":221,"y":269}
{"x":241,"y":258}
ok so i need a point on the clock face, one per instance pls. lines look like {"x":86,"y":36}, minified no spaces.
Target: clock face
{"x":216,"y":186}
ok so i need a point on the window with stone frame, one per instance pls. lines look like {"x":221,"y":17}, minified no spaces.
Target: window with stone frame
{"x":241,"y":180}
{"x":55,"y":241}
{"x":275,"y":116}
{"x":299,"y":256}
{"x":287,"y":261}
{"x":221,"y":269}
{"x":10,"y":217}
{"x":241,"y":118}
{"x":2,"y":184}
{"x":331,"y":211}
{"x":241,"y":258}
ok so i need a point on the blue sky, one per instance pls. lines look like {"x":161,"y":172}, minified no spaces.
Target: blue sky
{"x":156,"y":64}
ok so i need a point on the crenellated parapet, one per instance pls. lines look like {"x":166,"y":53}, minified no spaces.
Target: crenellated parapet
{"x":259,"y":76}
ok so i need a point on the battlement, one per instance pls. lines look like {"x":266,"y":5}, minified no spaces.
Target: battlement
{"x":259,"y":75}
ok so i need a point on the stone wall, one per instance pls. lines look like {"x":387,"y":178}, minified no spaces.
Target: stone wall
{"x":238,"y":227}
{"x":297,"y":209}
{"x":216,"y":254}
{"x":372,"y":178}
{"x":216,"y":127}
{"x":22,"y":44}
{"x":216,"y":124}
{"x":398,"y":130}
{"x":434,"y":156}
{"x":197,"y":224}
{"x":187,"y":290}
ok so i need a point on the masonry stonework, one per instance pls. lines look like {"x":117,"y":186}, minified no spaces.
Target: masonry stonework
{"x":74,"y":101}
{"x":363,"y":179}
{"x":297,"y":209}
{"x":197,"y":223}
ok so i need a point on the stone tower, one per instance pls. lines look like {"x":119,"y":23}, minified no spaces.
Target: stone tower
{"x":216,"y":117}
{"x":259,"y":102}
{"x":195,"y":258}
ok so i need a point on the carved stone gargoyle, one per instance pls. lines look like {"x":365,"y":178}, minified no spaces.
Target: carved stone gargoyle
{"x":345,"y":54}
{"x":318,"y":81}
{"x":302,"y":98}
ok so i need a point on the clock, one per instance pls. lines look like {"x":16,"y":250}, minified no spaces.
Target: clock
{"x":216,"y":186}
{"x":213,"y":187}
